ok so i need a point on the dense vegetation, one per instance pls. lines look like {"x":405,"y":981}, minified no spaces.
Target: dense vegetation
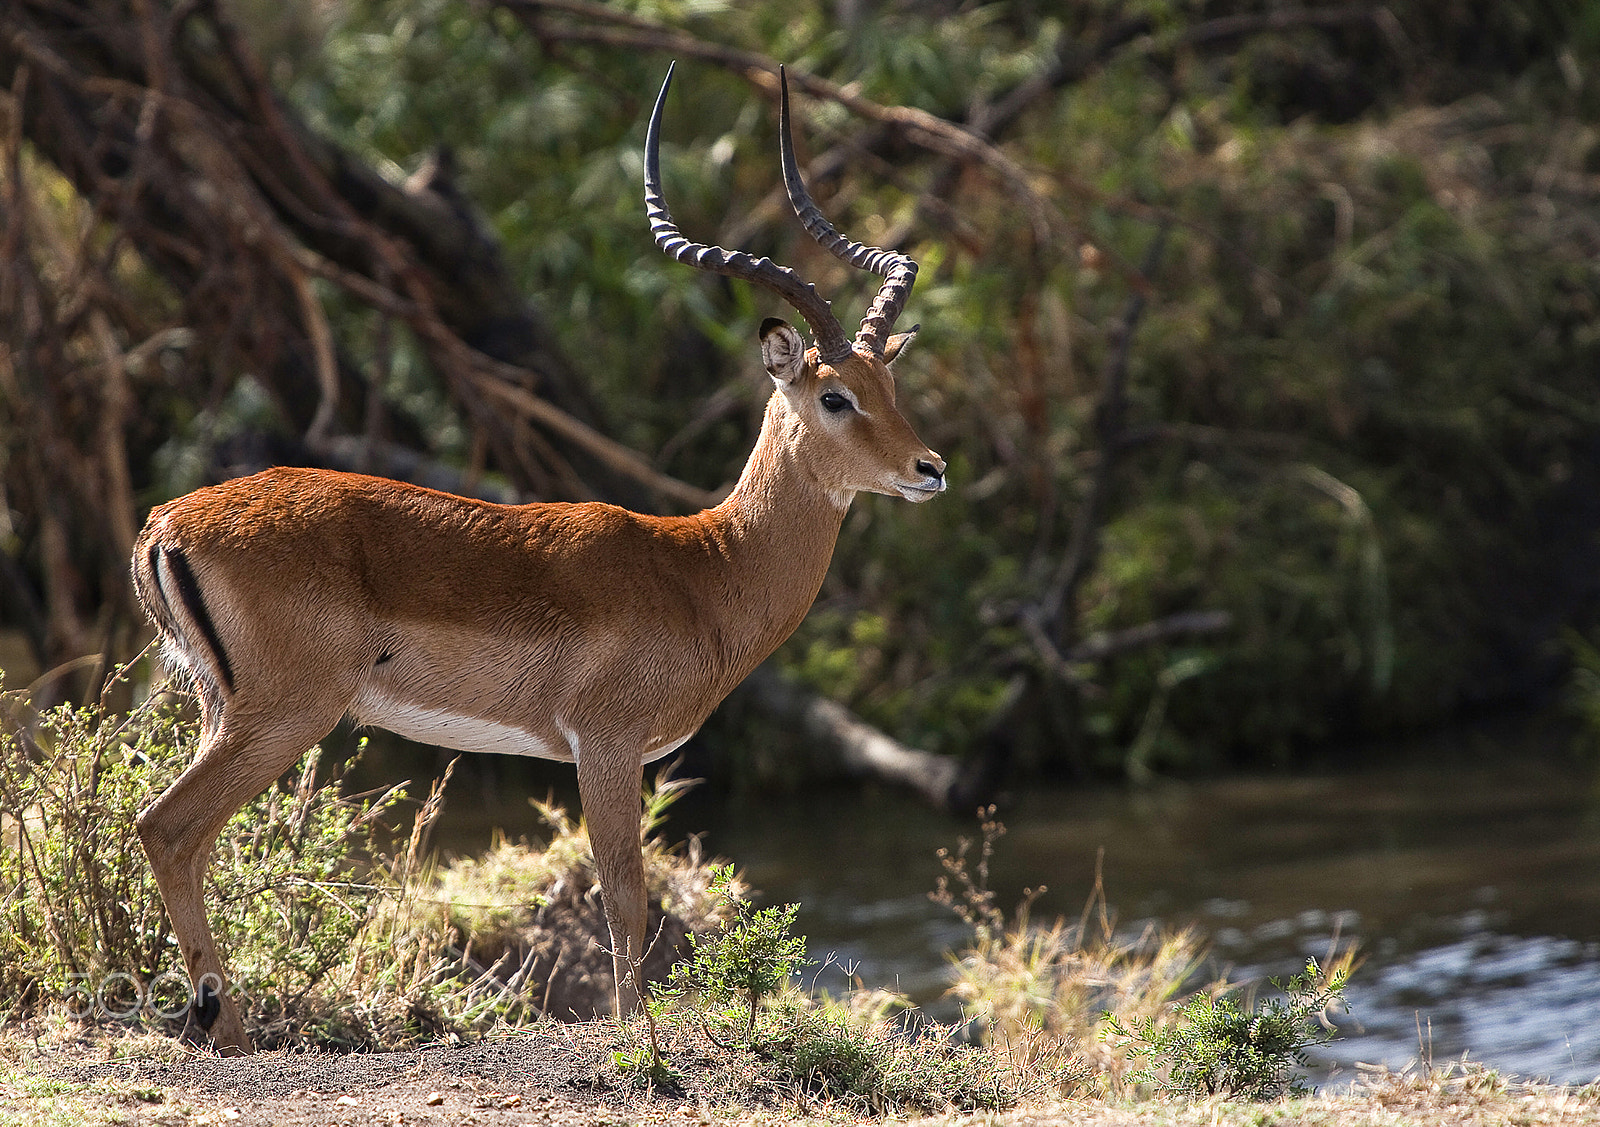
{"x":1333,"y":473}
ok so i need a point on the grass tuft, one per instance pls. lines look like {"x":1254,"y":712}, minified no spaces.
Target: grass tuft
{"x":1030,"y":988}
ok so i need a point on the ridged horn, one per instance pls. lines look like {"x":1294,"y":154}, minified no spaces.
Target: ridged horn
{"x":897,"y":270}
{"x":781,"y":280}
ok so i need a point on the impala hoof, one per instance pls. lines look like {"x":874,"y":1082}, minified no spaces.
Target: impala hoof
{"x":207,"y":1007}
{"x":214,"y":1024}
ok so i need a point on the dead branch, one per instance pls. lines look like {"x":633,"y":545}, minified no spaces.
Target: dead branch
{"x":1110,"y":643}
{"x":282,"y":205}
{"x":853,"y":747}
{"x":612,"y":453}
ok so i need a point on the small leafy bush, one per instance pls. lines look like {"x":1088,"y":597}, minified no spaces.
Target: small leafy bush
{"x":80,"y":903}
{"x":1212,"y":1047}
{"x":750,"y":958}
{"x":332,"y":935}
{"x":886,"y":1067}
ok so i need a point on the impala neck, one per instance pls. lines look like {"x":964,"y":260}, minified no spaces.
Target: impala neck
{"x":779,"y":525}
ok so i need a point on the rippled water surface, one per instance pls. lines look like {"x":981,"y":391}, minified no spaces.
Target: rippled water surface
{"x":1473,"y":891}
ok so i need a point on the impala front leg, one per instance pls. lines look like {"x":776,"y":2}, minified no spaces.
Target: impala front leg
{"x":609,"y":784}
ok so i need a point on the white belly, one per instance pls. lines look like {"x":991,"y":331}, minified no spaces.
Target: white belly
{"x":651,"y":754}
{"x":453,"y":730}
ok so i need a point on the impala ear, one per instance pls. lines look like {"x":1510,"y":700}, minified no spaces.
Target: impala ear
{"x":782,"y":350}
{"x":897,"y":343}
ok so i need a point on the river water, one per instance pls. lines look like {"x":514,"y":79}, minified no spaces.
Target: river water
{"x":1470,"y":879}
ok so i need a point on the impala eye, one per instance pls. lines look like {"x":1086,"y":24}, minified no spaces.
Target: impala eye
{"x":833,"y":402}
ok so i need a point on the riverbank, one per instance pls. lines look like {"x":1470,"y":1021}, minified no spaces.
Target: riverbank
{"x":565,"y":1075}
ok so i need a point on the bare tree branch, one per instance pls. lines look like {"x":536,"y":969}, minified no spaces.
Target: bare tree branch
{"x":855,"y":748}
{"x":281,"y":206}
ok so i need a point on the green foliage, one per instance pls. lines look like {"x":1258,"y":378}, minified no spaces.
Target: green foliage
{"x":750,"y":958}
{"x":85,"y":926}
{"x":333,"y":937}
{"x":1211,"y":1047}
{"x":643,"y":1064}
{"x":877,"y":1068}
{"x":334,"y":940}
{"x":81,"y":903}
{"x":1583,"y":690}
{"x":290,"y":889}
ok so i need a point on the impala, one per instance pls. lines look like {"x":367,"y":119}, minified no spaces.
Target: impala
{"x":577,"y":632}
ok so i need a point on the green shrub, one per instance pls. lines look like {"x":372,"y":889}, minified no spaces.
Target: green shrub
{"x":337,"y":933}
{"x":335,"y":939}
{"x":292,"y":885}
{"x":80,"y":905}
{"x":884,"y":1067}
{"x":750,"y":958}
{"x":1212,"y":1047}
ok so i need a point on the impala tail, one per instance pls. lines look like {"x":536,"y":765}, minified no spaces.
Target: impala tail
{"x":171,"y":596}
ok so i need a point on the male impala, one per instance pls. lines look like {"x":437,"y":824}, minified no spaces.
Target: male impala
{"x":578,"y":632}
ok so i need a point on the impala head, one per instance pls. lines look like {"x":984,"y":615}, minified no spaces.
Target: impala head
{"x":840,"y":390}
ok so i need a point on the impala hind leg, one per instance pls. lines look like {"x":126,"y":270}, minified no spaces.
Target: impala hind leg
{"x":609,"y":788}
{"x":238,"y":760}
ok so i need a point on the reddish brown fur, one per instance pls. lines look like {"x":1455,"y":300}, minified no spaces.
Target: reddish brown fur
{"x":601,"y":635}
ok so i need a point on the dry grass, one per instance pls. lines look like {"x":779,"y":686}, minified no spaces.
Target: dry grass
{"x":492,"y":897}
{"x":1044,"y":991}
{"x":1036,"y":989}
{"x":335,"y":938}
{"x":479,"y":943}
{"x":425,"y":964}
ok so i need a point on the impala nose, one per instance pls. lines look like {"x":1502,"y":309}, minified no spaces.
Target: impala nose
{"x":929,"y":472}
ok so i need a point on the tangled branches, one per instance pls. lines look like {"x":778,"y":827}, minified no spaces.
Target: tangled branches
{"x":146,"y":134}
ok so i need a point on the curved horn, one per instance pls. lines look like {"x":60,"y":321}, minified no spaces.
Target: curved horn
{"x":898,"y":271}
{"x":831,"y":343}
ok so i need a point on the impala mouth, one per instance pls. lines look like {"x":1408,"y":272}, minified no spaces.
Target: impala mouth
{"x":920,"y":491}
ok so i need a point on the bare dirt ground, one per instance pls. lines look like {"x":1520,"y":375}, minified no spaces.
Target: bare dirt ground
{"x":565,"y":1075}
